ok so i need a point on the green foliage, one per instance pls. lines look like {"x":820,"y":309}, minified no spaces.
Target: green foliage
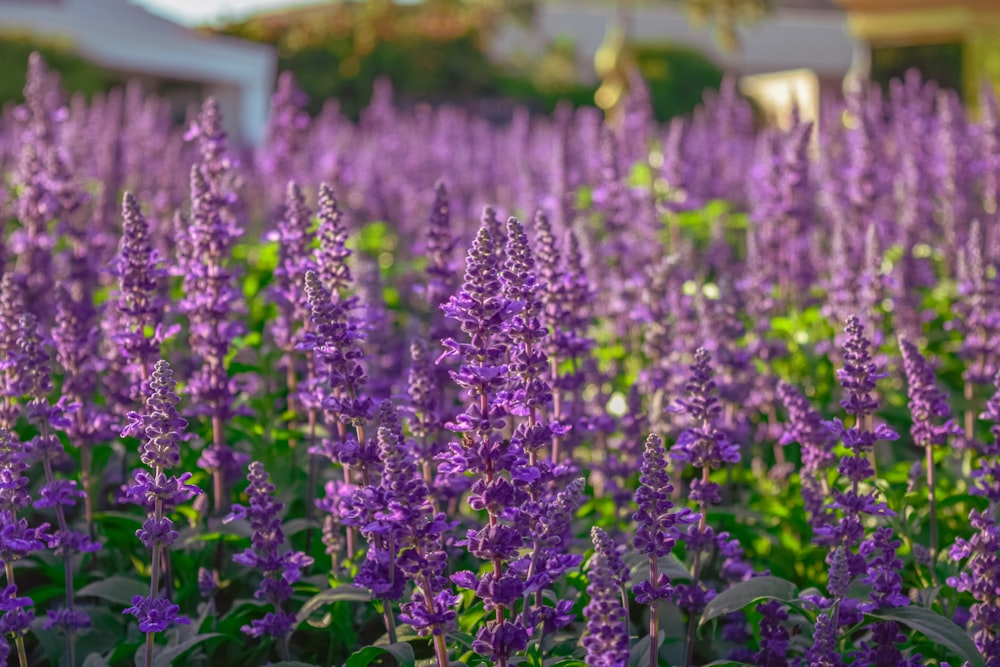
{"x":77,"y":74}
{"x":677,"y":77}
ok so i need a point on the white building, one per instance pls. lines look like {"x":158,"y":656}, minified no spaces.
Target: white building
{"x":126,"y":39}
{"x":798,"y":34}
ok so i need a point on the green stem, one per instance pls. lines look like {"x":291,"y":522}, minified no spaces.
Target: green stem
{"x":22,"y":656}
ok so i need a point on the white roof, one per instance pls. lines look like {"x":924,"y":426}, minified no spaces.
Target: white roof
{"x":123,"y":37}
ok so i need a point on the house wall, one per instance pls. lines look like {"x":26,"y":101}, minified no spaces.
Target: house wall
{"x":787,"y":39}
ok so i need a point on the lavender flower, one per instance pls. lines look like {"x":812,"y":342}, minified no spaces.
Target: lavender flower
{"x":858,"y":378}
{"x":17,"y":540}
{"x":656,"y":530}
{"x":161,"y":428}
{"x":140,"y":303}
{"x":287,"y":130}
{"x":33,"y":381}
{"x":403,"y":524}
{"x":805,"y":425}
{"x":211,"y":298}
{"x":704,"y":446}
{"x":295,"y":238}
{"x":774,"y":636}
{"x":607,"y":638}
{"x":656,"y":524}
{"x":927,"y":405}
{"x":481,"y":310}
{"x":981,"y":567}
{"x":441,"y":275}
{"x":332,"y":252}
{"x":280,"y":570}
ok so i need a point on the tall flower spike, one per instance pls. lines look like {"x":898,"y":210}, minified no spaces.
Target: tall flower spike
{"x":932,"y":424}
{"x":34,"y":382}
{"x":656,"y":529}
{"x":332,"y":252}
{"x":805,"y":426}
{"x":280,"y":570}
{"x":140,"y":303}
{"x":607,"y":636}
{"x":481,"y":309}
{"x":160,"y":428}
{"x":296,"y":239}
{"x":704,"y":445}
{"x":858,"y":378}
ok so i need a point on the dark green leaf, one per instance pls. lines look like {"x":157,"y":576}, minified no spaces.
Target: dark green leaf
{"x":937,"y":628}
{"x":169,"y":653}
{"x":748,"y":592}
{"x":639,"y":653}
{"x":401,"y":651}
{"x":117,"y":589}
{"x":338,"y":594}
{"x":95,"y":660}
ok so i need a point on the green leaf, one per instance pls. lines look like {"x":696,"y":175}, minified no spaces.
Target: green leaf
{"x":639,"y":653}
{"x":937,"y":628}
{"x":292,"y":663}
{"x":117,"y":589}
{"x":169,"y":653}
{"x":95,"y":660}
{"x":401,"y":651}
{"x":338,"y":594}
{"x":748,"y":592}
{"x":569,"y":662}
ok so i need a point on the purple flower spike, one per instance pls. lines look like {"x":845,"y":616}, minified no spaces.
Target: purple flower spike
{"x":160,"y":428}
{"x":927,"y":403}
{"x":607,"y":636}
{"x":703,"y":445}
{"x":294,"y":260}
{"x":332,"y":253}
{"x":280,"y":570}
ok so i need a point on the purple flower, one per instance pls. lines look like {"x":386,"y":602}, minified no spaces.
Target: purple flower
{"x":805,"y":426}
{"x":927,"y":403}
{"x":158,"y":492}
{"x":332,"y":253}
{"x":774,"y":636}
{"x":656,"y":525}
{"x":295,"y":238}
{"x":858,"y":378}
{"x":162,"y":426}
{"x":607,"y":636}
{"x":140,"y":303}
{"x":441,"y":274}
{"x":155,"y":615}
{"x":279,"y":570}
{"x":703,"y":444}
{"x":334,"y":341}
{"x":823,"y":652}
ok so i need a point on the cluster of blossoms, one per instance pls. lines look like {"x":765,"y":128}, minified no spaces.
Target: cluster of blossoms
{"x":211,"y":296}
{"x":481,"y":310}
{"x":161,"y":427}
{"x":279,"y":570}
{"x":607,"y":621}
{"x":981,"y":552}
{"x":33,"y":381}
{"x":499,"y":443}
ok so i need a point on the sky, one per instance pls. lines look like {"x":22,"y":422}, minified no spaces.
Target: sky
{"x":198,"y":12}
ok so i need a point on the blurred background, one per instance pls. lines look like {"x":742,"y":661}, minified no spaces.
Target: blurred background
{"x":492,"y":55}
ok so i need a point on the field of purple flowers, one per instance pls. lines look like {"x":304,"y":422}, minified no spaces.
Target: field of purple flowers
{"x":717,"y":393}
